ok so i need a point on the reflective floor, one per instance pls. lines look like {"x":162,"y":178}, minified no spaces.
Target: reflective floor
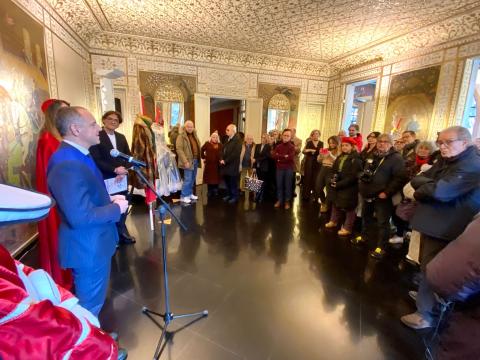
{"x":274,"y":286}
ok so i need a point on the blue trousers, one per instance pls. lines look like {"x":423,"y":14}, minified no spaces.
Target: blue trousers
{"x":91,"y":286}
{"x":232,"y":182}
{"x":284,"y":185}
{"x":189,"y":177}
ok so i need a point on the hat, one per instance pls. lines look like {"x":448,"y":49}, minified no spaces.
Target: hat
{"x":46,"y":104}
{"x":348,"y":140}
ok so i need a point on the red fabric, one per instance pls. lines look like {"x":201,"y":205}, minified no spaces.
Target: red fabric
{"x":212,"y":156}
{"x":349,"y":140}
{"x":284,"y":155}
{"x":46,"y":104}
{"x":358,"y":142}
{"x":48,"y":228}
{"x":43,"y":331}
{"x":420,"y":161}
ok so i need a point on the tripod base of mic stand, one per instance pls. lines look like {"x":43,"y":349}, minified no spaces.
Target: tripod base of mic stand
{"x":167,"y":319}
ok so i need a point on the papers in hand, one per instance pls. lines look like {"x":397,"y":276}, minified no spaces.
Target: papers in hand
{"x":114,"y":186}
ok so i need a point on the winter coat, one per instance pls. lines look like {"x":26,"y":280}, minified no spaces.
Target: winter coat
{"x":389,"y":175}
{"x":284,"y":155}
{"x":212,"y":156}
{"x":454,"y":274}
{"x":184,"y":149}
{"x":345,"y":194}
{"x":231,"y":155}
{"x":358,"y":141}
{"x":448,"y":195}
{"x":262,"y":157}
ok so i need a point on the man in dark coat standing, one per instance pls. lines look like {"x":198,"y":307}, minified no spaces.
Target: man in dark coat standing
{"x":448,"y":197}
{"x":230,"y":163}
{"x":113,"y":167}
{"x":382,"y":178}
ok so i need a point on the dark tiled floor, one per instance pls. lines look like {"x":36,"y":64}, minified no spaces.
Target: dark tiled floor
{"x":275,"y":288}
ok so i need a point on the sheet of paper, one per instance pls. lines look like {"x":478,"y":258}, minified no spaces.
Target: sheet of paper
{"x":113,"y":186}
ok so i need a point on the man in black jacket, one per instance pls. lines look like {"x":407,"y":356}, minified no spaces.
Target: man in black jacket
{"x":261,"y":157}
{"x":448,"y":197}
{"x":230,"y":163}
{"x":111,"y":167}
{"x":383,"y":177}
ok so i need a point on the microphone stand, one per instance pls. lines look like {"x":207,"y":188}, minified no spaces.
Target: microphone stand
{"x":167,"y":316}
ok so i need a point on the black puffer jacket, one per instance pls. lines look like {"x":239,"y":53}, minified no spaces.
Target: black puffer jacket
{"x":345,"y":194}
{"x":448,"y":195}
{"x":390,"y":175}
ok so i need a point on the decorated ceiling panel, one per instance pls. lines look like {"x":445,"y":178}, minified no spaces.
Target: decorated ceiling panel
{"x":344,"y":32}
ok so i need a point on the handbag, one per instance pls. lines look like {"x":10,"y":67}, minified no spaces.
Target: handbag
{"x":406,"y":209}
{"x":253,"y":183}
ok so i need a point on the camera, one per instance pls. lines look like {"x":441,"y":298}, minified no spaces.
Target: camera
{"x":333,"y":180}
{"x":366,"y":175}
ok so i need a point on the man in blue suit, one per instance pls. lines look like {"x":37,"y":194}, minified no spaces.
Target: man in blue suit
{"x":87,"y":233}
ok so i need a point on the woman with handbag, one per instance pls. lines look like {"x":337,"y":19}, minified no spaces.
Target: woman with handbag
{"x":405,"y":209}
{"x":311,"y":167}
{"x":343,"y":188}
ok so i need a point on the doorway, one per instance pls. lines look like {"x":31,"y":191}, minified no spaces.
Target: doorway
{"x":224,"y":112}
{"x":359,"y":105}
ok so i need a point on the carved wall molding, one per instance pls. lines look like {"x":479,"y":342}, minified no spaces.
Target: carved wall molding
{"x":463,"y":92}
{"x":469,"y":50}
{"x":451,"y":119}
{"x":52,"y":76}
{"x":362,"y":75}
{"x":443,"y":98}
{"x":418,"y":62}
{"x":382,"y":104}
{"x":109,"y":63}
{"x":156,"y":47}
{"x":227,"y":83}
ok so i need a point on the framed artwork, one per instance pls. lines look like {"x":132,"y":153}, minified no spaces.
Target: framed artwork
{"x":23,"y":88}
{"x":411,"y":101}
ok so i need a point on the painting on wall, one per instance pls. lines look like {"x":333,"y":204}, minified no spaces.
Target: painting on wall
{"x":280,"y":106}
{"x":168,"y":99}
{"x":411,"y":101}
{"x":23,"y":88}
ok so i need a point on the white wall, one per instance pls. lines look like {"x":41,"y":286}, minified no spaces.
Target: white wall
{"x":69,"y":71}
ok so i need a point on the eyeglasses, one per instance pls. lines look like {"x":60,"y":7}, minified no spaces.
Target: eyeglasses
{"x":447,"y":143}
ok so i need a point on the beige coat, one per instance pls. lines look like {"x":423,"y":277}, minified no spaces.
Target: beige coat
{"x":184,"y":149}
{"x":252,"y":154}
{"x":298,"y":149}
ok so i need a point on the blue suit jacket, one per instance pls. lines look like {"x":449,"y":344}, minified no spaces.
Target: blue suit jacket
{"x":87,"y":233}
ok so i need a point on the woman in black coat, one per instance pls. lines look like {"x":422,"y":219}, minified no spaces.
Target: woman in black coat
{"x":343,"y":189}
{"x":311,"y":168}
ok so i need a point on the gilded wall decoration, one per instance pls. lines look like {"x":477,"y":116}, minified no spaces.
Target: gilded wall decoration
{"x":382,"y":104}
{"x":464,"y":86}
{"x":411,"y":101}
{"x":23,"y":88}
{"x":443,"y":98}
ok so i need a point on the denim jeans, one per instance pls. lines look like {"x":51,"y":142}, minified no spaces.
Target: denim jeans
{"x":284,"y":185}
{"x":189,"y":177}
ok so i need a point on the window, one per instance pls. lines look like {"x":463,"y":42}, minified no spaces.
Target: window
{"x":278,"y":112}
{"x":470,"y":113}
{"x":176,"y":114}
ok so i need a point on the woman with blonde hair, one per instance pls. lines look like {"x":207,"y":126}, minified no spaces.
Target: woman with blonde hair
{"x":211,"y":153}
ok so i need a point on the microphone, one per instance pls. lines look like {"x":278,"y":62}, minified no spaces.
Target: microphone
{"x":130,"y":159}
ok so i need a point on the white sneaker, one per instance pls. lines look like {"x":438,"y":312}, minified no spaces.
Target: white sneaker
{"x":193,"y":197}
{"x":396,"y":240}
{"x":185,"y":200}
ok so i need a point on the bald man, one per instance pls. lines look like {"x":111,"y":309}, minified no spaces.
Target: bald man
{"x":230,"y":163}
{"x":188,"y":152}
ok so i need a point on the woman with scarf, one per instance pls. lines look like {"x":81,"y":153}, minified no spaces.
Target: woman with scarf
{"x":343,"y":189}
{"x":211,"y":153}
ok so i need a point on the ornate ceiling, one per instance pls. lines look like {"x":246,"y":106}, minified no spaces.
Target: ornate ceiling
{"x":344,"y":33}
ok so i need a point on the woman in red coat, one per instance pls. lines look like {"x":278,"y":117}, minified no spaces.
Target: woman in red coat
{"x":48,"y":142}
{"x":211,"y":152}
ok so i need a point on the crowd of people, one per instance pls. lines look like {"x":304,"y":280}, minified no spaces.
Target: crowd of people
{"x":422,"y":194}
